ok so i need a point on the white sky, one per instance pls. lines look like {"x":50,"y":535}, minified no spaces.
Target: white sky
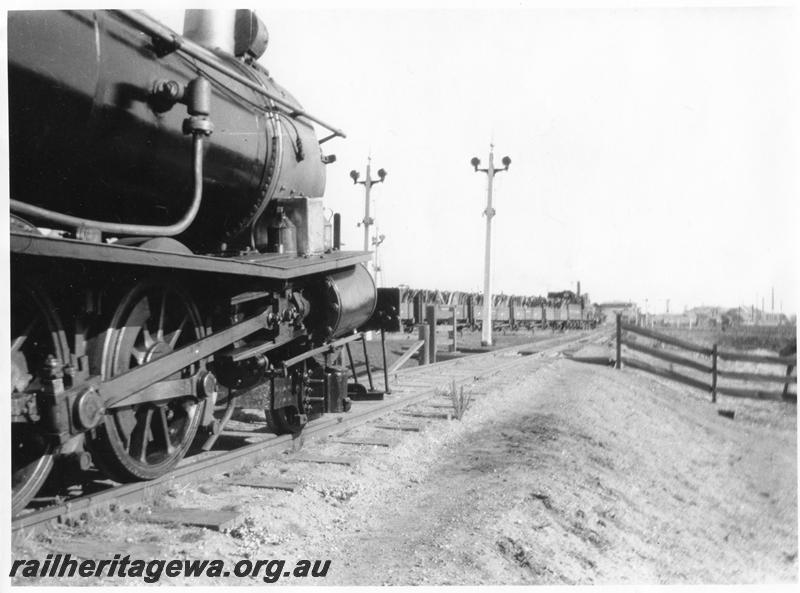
{"x":654,"y":150}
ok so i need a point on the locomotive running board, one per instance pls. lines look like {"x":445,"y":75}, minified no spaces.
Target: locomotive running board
{"x":264,"y":265}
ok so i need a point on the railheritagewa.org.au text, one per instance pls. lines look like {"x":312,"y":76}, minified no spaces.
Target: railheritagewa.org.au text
{"x":151,"y":571}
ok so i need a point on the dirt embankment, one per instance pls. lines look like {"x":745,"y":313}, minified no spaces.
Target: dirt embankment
{"x":587,"y":475}
{"x":560,"y":473}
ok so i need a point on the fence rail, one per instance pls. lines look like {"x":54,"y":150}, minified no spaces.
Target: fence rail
{"x":672,"y":341}
{"x":675,"y":376}
{"x":625,"y":330}
{"x":657,"y":353}
{"x":406,"y":355}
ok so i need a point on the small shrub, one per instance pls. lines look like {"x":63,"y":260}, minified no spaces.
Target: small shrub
{"x":460,"y":400}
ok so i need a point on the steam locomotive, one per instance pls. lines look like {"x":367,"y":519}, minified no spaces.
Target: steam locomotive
{"x":169,"y":245}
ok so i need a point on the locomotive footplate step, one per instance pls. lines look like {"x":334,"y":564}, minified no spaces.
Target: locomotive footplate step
{"x":363,"y":441}
{"x":268,"y":483}
{"x":216,"y":520}
{"x":310,"y":458}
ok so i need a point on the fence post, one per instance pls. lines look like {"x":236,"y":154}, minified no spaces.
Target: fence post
{"x":714,"y":357}
{"x":418,"y":309}
{"x":454,"y":346}
{"x":618,"y":362}
{"x":385,"y":367}
{"x":789,"y":369}
{"x":425,"y":337}
{"x":430,"y":319}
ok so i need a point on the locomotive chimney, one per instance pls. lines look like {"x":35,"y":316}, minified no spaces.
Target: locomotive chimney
{"x":213,"y":29}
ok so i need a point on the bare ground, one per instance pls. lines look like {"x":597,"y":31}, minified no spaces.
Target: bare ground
{"x":561,"y":473}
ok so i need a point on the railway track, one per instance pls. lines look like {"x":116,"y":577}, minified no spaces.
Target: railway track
{"x":410,"y":386}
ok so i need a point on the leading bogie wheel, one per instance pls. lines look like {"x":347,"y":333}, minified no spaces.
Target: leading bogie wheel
{"x":146,"y":440}
{"x":283,"y":420}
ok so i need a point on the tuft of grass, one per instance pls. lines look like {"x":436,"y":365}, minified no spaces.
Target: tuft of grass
{"x":460,"y":400}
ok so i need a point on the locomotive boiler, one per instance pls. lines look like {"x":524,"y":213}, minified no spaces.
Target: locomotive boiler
{"x":169,"y":247}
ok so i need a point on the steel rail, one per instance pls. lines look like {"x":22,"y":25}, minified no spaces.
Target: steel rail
{"x":214,"y":463}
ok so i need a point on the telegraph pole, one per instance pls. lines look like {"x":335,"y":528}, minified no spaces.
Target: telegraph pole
{"x":367,"y":182}
{"x":486,"y":333}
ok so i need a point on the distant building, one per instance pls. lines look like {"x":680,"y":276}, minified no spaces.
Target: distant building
{"x":608,"y":312}
{"x":706,"y":316}
{"x":687,"y":320}
{"x":749,"y":316}
{"x":770,"y":318}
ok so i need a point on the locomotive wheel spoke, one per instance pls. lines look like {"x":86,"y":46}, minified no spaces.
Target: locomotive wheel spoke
{"x":173,"y":337}
{"x":139,"y":353}
{"x":140,"y":437}
{"x":137,"y":320}
{"x":163,"y":429}
{"x":145,"y":441}
{"x":125,"y":419}
{"x":147,"y":337}
{"x":161,"y":313}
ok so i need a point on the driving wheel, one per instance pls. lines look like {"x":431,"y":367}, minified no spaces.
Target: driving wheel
{"x":146,"y":440}
{"x":36,"y":334}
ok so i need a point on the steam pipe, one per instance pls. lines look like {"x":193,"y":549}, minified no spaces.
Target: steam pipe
{"x":199,"y":53}
{"x":128,"y":229}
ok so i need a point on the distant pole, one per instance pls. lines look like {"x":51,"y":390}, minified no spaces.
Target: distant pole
{"x":367,"y":182}
{"x":486,"y":331}
{"x":368,"y":220}
{"x":772,"y":306}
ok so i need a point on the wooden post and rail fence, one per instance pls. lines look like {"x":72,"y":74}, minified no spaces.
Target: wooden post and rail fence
{"x":426,"y":343}
{"x":712,"y":367}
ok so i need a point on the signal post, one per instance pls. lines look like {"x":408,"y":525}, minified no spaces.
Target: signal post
{"x":486,"y":333}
